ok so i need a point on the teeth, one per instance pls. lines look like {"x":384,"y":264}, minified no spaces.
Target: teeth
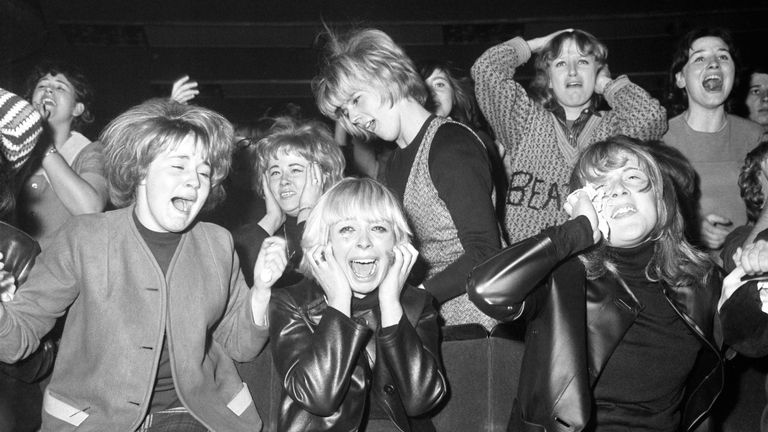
{"x":369,"y":125}
{"x":621,"y":211}
{"x":713,"y":83}
{"x":287,"y":194}
{"x":363,"y":269}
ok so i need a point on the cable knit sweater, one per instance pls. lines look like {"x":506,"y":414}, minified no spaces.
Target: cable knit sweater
{"x":541,"y":156}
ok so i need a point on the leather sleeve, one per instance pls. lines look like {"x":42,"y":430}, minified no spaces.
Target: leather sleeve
{"x":412,"y":356}
{"x":316,"y":366}
{"x":34,"y":367}
{"x":745,"y":325}
{"x":500,"y":285}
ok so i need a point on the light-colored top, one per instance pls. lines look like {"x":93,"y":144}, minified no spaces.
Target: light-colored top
{"x":99,"y":270}
{"x":718,"y":158}
{"x":41,"y":210}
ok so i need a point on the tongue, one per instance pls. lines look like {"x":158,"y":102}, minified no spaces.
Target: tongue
{"x":181,"y":204}
{"x":363,"y":270}
{"x":713,"y":85}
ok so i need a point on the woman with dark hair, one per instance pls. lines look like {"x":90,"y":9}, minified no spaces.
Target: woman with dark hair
{"x":752,"y":96}
{"x":452,"y":95}
{"x":71,"y":179}
{"x":701,"y":78}
{"x":619,"y":307}
{"x":543,"y":132}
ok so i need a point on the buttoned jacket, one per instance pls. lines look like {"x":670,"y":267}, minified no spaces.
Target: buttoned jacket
{"x":119,"y":306}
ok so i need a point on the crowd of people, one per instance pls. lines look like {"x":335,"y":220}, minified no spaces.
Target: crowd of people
{"x":628,"y":234}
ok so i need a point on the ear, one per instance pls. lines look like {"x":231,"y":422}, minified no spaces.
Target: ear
{"x":679,"y":80}
{"x":79,"y":108}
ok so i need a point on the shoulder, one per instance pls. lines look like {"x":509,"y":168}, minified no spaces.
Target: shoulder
{"x":752,"y":130}
{"x":304,"y":293}
{"x":455,"y":139}
{"x":215,"y":234}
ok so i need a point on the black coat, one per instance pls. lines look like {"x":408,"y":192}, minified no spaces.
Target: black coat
{"x":324,"y":358}
{"x":532,"y":279}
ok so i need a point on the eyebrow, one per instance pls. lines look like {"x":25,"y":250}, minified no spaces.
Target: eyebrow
{"x":719,"y":49}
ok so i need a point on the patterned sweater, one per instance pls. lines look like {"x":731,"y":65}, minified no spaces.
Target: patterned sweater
{"x":541,"y":155}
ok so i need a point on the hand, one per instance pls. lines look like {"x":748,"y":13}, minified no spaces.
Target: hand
{"x":537,"y":44}
{"x":184,"y":90}
{"x":270,"y":263}
{"x":275,"y":216}
{"x":331,"y":278}
{"x":752,"y":258}
{"x":602,"y":79}
{"x":581,"y":202}
{"x":404,"y":257}
{"x":714,"y":229}
{"x":313,"y":186}
{"x":7,"y":283}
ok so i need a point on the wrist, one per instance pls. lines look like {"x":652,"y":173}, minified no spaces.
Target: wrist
{"x":49,"y":151}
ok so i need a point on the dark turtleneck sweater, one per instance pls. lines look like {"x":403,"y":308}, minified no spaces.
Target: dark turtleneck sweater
{"x":642,"y":384}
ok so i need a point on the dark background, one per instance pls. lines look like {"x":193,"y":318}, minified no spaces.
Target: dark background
{"x":251,"y":55}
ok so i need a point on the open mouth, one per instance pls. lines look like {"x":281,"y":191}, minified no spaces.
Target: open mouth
{"x":573,"y":84}
{"x":287,"y":194}
{"x":713,"y":83}
{"x":623,"y":211}
{"x":370,"y":125}
{"x":363,"y":268}
{"x":182,"y":204}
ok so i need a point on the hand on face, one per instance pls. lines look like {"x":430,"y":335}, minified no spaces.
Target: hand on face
{"x":313,"y":186}
{"x":270,"y":263}
{"x":330,"y":276}
{"x":275,"y":216}
{"x":603,"y":78}
{"x":7,"y":283}
{"x":404,"y":258}
{"x":580,"y":203}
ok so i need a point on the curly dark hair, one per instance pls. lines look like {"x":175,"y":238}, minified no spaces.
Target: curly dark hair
{"x":677,"y":98}
{"x":84,"y":93}
{"x":749,"y":181}
{"x":465,"y":109}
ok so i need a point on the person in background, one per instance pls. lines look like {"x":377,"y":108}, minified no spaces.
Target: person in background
{"x":440,"y":170}
{"x":295,"y":162}
{"x":620,"y":309}
{"x":21,"y":127}
{"x":753,"y":91}
{"x":452,"y":94}
{"x":157,"y":309}
{"x":356,"y":347}
{"x":543,"y":133}
{"x":701,"y":78}
{"x":70,"y":180}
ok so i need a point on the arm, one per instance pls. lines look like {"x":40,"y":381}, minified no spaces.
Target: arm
{"x":242,"y":331}
{"x":412,"y":356}
{"x":503,"y":101}
{"x":315,"y":365}
{"x":20,"y":128}
{"x":82,"y":188}
{"x":461,"y":174}
{"x":634,"y":112}
{"x":500,"y":285}
{"x":248,"y":241}
{"x":745,"y":325}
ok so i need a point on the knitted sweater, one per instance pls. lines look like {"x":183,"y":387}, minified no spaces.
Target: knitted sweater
{"x":542,"y":158}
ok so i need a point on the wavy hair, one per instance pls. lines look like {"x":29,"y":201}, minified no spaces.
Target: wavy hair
{"x":587,"y":45}
{"x":310,"y":139}
{"x":134,"y":139}
{"x":676,"y":99}
{"x":675,"y":261}
{"x":749,"y":181}
{"x":352,"y":198}
{"x":366,"y":59}
{"x":82,"y":86}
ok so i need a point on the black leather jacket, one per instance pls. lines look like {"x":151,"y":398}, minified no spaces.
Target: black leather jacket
{"x":324,"y":360}
{"x":532,"y":279}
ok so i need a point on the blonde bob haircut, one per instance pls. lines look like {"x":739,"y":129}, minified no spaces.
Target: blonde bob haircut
{"x":309,"y":139}
{"x":366,"y":59}
{"x":352,"y":198}
{"x":134,"y":139}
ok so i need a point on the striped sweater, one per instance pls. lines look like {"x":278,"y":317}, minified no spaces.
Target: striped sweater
{"x":541,"y":155}
{"x":20,"y":128}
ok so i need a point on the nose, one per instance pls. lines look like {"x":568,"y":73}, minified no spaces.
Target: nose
{"x":571,"y":68}
{"x":616,"y":188}
{"x":363,"y":240}
{"x":193,"y":180}
{"x":714,"y":63}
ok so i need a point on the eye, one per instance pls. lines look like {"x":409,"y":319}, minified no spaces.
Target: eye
{"x":355,"y":100}
{"x":274,"y":173}
{"x":297,"y":170}
{"x":178,"y":167}
{"x":754,"y":92}
{"x":584,"y":62}
{"x":725,"y":57}
{"x":346,"y":229}
{"x":697,"y":59}
{"x":559,"y":63}
{"x":205,"y":173}
{"x":379,"y":228}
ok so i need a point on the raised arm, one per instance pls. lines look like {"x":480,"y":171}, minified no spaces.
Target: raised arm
{"x":634,"y":112}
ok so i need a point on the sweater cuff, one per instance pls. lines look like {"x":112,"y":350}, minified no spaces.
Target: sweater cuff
{"x":571,"y":237}
{"x":521,"y":49}
{"x":610,"y":90}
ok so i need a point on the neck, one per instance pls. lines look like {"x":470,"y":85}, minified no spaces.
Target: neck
{"x":572,"y":113}
{"x":705,"y":119}
{"x":60,"y":133}
{"x":412,"y":118}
